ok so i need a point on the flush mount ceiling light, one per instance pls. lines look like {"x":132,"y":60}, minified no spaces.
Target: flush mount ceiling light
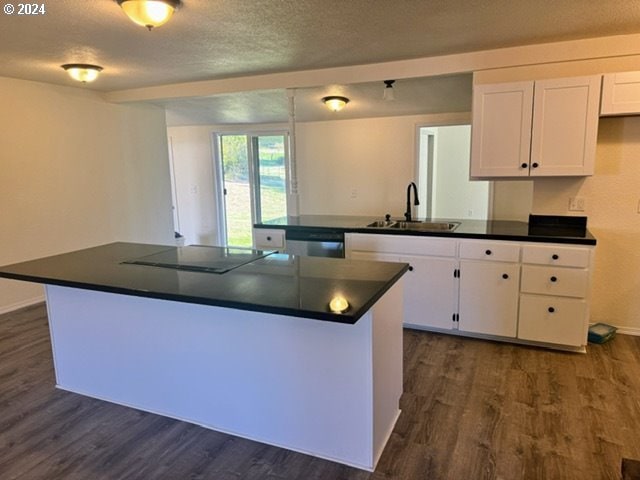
{"x":82,"y":72}
{"x":388,"y":93}
{"x":335,"y":103}
{"x":149,"y":13}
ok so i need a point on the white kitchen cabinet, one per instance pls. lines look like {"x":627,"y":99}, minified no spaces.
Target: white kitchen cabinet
{"x":430,"y":288}
{"x":268,"y":239}
{"x":554,"y":320}
{"x":541,"y":128}
{"x":528,"y":292}
{"x":501,"y":129}
{"x":554,"y":294}
{"x":489,"y":287}
{"x":620,"y":94}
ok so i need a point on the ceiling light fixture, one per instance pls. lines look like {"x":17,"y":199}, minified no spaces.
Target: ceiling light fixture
{"x":388,"y":93}
{"x":335,"y":103}
{"x":149,"y":13}
{"x":82,"y":72}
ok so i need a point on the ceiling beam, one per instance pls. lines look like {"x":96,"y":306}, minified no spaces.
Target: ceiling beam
{"x":539,"y":54}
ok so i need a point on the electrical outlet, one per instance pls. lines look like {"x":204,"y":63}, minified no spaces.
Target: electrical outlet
{"x":354,"y":193}
{"x":576,"y":204}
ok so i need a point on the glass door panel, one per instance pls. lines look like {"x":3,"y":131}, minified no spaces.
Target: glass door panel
{"x":270,"y":185}
{"x":234,"y":153}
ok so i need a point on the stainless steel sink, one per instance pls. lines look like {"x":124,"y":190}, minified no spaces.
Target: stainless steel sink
{"x":426,"y":226}
{"x":415,"y":226}
{"x":382,"y":224}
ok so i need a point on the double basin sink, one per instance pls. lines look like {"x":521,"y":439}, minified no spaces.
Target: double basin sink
{"x":416,"y":225}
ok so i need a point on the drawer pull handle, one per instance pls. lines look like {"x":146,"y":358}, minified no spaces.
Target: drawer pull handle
{"x":555,"y":256}
{"x":268,"y":239}
{"x":410,"y":268}
{"x":551,"y":309}
{"x":534,"y":164}
{"x":487,"y":252}
{"x":505,"y":276}
{"x":554,"y":279}
{"x":524,"y":165}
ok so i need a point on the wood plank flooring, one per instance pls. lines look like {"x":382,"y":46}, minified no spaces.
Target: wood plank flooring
{"x":471,"y":409}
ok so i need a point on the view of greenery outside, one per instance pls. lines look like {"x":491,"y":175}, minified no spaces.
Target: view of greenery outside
{"x":271,"y":191}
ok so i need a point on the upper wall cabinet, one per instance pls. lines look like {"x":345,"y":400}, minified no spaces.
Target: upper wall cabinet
{"x":620,"y":94}
{"x":541,"y":128}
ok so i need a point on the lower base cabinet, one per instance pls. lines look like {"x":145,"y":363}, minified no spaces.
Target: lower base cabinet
{"x":553,"y":320}
{"x":430,"y":293}
{"x":489,"y":298}
{"x":525,"y":291}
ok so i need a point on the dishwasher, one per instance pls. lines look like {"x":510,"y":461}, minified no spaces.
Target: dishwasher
{"x":315,"y":243}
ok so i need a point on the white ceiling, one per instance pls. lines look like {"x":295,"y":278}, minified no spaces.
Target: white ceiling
{"x":214,"y":39}
{"x":413,"y":96}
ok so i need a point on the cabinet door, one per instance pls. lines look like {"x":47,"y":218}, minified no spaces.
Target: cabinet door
{"x":565,"y":126}
{"x":553,"y":320}
{"x":268,"y":239}
{"x":489,"y":297}
{"x":620,"y":94}
{"x":430,"y":292}
{"x":501,"y":129}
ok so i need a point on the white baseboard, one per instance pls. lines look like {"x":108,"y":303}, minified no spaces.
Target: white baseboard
{"x":629,"y":331}
{"x":25,"y":303}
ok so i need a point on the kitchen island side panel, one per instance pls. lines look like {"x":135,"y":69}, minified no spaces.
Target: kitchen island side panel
{"x":301,"y":384}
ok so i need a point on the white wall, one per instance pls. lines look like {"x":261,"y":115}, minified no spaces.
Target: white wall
{"x":76,"y":171}
{"x":371,"y":158}
{"x":359,"y":167}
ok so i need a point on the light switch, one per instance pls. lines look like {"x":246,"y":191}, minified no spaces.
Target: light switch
{"x":576,"y":204}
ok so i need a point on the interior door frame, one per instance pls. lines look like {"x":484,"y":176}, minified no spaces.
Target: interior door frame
{"x":446,"y":121}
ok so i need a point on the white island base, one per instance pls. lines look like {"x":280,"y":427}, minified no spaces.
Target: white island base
{"x":326,"y":389}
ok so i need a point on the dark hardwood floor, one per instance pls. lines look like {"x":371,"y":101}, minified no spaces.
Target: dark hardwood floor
{"x":472,"y":409}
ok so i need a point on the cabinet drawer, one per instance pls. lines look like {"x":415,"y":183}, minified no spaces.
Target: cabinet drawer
{"x":265,"y":238}
{"x":437,"y":247}
{"x":556,"y":255}
{"x":566,"y":282}
{"x":496,"y":251}
{"x":553,"y":320}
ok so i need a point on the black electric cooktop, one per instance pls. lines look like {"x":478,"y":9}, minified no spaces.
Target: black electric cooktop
{"x":200,"y":258}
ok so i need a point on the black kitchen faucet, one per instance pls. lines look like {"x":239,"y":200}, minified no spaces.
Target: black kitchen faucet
{"x":407,"y":214}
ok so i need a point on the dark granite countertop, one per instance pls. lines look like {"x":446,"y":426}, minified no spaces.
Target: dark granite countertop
{"x":479,"y":229}
{"x":271,"y":283}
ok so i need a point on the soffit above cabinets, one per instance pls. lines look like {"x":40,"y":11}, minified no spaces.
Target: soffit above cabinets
{"x":416,"y":96}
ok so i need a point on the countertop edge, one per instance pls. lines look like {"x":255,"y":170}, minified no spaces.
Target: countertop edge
{"x":454,"y":234}
{"x":350,"y":318}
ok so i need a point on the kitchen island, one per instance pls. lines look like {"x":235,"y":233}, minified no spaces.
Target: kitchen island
{"x":243,"y":342}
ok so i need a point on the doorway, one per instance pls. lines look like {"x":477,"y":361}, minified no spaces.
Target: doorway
{"x":252,"y":181}
{"x":442,"y":171}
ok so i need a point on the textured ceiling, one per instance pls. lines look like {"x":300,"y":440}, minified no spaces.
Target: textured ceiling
{"x":412,"y":97}
{"x":211,"y":39}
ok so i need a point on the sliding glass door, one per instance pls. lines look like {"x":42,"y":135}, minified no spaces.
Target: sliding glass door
{"x":252,"y":179}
